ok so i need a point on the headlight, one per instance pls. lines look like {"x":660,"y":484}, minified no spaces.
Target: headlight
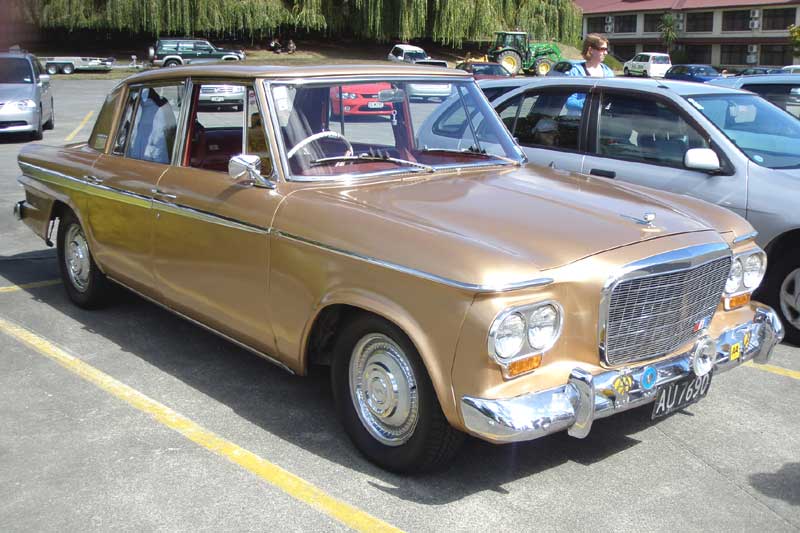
{"x":754,"y":267}
{"x":509,"y":336}
{"x":543,"y":328}
{"x":26,"y":104}
{"x":734,"y":281}
{"x":520,"y":335}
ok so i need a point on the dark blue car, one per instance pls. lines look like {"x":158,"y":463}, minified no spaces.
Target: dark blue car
{"x":698,"y":73}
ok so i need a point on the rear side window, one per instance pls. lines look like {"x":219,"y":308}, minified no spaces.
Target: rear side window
{"x":549,"y":119}
{"x":103,"y":124}
{"x":155,"y":123}
{"x":660,"y":60}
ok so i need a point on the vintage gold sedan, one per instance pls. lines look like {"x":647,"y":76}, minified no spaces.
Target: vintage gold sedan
{"x":450,"y":288}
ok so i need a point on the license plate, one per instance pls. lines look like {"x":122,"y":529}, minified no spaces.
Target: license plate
{"x":217,"y":98}
{"x":679,"y":394}
{"x":375,"y":105}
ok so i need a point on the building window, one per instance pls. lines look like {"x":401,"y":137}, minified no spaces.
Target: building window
{"x":623,"y":52}
{"x":736,"y":20}
{"x":778,"y":19}
{"x":595,"y":24}
{"x":625,"y":24}
{"x":733,"y":54}
{"x":776,"y":54}
{"x":698,"y":53}
{"x":700,"y":21}
{"x":652,"y":22}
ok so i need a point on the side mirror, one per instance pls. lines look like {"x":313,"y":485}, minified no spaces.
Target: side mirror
{"x":248,"y":167}
{"x":704,"y":159}
{"x":44,"y":78}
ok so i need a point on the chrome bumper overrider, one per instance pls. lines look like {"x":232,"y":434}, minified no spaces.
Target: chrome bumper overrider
{"x":586,"y":397}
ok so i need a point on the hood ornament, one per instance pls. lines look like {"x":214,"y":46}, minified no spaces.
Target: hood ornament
{"x":646,"y":220}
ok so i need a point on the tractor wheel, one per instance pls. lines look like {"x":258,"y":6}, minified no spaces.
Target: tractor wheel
{"x":542,"y":66}
{"x":511,"y":61}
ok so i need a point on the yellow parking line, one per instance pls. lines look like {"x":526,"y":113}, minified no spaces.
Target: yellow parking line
{"x":289,"y":483}
{"x":80,"y":126}
{"x":33,"y":285}
{"x":775,"y":370}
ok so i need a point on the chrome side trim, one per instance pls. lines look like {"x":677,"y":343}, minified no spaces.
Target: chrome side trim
{"x":207,"y":328}
{"x":204,"y":216}
{"x":745,"y":237}
{"x":537,"y":282}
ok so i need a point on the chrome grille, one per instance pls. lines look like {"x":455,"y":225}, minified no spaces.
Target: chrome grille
{"x":651,"y":316}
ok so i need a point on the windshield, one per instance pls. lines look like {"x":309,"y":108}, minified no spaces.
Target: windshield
{"x":15,"y":70}
{"x":414,"y":56}
{"x":491,"y":70}
{"x":767,"y":135}
{"x":359,"y":128}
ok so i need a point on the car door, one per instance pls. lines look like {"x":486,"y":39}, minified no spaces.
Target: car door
{"x":187,"y":52}
{"x":210,"y":242}
{"x":548,"y":124}
{"x":120,"y":211}
{"x":45,"y":95}
{"x":638,"y":63}
{"x":643,"y":138}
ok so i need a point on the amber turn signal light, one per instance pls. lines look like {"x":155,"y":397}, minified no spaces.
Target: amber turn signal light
{"x":734,"y":302}
{"x":524,"y":365}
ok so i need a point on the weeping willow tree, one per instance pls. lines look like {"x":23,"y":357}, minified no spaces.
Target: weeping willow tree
{"x":446,"y":21}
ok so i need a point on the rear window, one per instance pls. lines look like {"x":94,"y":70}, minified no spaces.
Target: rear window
{"x":102,"y":126}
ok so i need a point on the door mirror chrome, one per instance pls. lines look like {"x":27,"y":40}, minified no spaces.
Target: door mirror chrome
{"x":704,"y":159}
{"x":248,"y":167}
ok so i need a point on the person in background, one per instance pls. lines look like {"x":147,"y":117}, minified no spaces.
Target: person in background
{"x":291,"y":47}
{"x":595,"y":49}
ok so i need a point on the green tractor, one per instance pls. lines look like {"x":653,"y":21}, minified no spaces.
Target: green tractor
{"x":515,"y":52}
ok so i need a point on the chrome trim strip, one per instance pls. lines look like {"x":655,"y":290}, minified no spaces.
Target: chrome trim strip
{"x":204,"y":216}
{"x":207,"y":328}
{"x":745,"y":237}
{"x":537,"y":282}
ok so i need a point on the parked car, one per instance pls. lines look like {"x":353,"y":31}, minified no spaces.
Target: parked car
{"x":428,"y":62}
{"x":647,"y":64}
{"x":222,"y":97}
{"x":783,"y":90}
{"x":722,"y":145}
{"x":450,"y":290}
{"x":172,"y":52}
{"x":791,"y":69}
{"x":26,"y":100}
{"x":406,"y":53}
{"x":71,"y":64}
{"x":696,"y":73}
{"x":750,"y":71}
{"x":360,"y":99}
{"x":484,"y":70}
{"x":562,"y":67}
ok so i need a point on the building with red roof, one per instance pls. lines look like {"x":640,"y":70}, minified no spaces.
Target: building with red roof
{"x":732,"y":33}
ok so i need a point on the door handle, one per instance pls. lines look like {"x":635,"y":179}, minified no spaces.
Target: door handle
{"x":603,"y":173}
{"x":93,"y":179}
{"x":162,"y":194}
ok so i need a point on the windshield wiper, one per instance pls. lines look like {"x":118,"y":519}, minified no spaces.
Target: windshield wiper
{"x":371,"y":157}
{"x":473,"y":151}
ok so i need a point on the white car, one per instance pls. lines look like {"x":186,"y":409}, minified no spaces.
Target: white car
{"x":791,"y":69}
{"x":648,"y":64}
{"x":406,"y":53}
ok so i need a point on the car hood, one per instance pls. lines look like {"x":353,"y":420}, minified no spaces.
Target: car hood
{"x":10,"y":92}
{"x":479,"y":227}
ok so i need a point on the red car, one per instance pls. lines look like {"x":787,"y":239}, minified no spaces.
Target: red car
{"x":484,"y":70}
{"x":360,"y":99}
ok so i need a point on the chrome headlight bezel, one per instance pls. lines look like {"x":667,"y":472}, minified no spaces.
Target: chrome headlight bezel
{"x":26,"y":104}
{"x":525,"y":350}
{"x":744,"y":261}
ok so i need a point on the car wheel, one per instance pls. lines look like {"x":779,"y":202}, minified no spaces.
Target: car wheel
{"x":511,"y":61}
{"x":52,"y":69}
{"x":781,"y":290}
{"x":386,"y":400}
{"x":50,"y":124}
{"x":542,"y":66}
{"x":86,"y":285}
{"x":626,"y":72}
{"x":68,"y":68}
{"x":171,"y":63}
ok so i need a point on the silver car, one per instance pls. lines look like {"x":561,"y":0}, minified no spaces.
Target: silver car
{"x":26,"y":101}
{"x":723,"y":145}
{"x":783,"y":90}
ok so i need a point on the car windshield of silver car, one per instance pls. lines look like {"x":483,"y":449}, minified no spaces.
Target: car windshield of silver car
{"x":14,"y":70}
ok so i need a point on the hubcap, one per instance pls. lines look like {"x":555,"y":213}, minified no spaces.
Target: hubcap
{"x":76,"y":257}
{"x":383,"y":389}
{"x":790,"y":298}
{"x":510,"y":63}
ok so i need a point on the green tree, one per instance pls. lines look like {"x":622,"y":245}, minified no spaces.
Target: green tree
{"x":794,"y":39}
{"x":668,"y":26}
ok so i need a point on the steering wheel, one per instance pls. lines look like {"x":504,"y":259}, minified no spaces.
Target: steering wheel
{"x":321,"y":135}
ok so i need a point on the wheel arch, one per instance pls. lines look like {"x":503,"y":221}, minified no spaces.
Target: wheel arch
{"x":783,"y":244}
{"x":177,"y":58}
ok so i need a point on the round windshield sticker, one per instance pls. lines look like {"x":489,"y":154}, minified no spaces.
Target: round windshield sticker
{"x":758,"y":159}
{"x":649,"y":377}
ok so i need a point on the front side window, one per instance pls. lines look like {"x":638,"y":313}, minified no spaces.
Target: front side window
{"x":636,"y":128}
{"x":103,"y":124}
{"x":360,"y":128}
{"x":152,"y":136}
{"x":767,"y":135}
{"x":15,"y":70}
{"x":124,"y":129}
{"x":549,"y":119}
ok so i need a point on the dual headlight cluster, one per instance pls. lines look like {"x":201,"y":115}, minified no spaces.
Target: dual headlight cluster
{"x":23,"y":105}
{"x":747,"y":271}
{"x":523,"y":333}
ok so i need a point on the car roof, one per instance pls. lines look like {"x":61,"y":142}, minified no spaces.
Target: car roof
{"x":409,"y":47}
{"x":506,"y":82}
{"x":763,"y":79}
{"x":653,"y":53}
{"x":680,"y":88}
{"x":16,"y":54}
{"x":223,"y":70}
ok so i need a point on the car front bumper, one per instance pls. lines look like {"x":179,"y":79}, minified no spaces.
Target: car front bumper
{"x":586,"y":397}
{"x":16,"y":120}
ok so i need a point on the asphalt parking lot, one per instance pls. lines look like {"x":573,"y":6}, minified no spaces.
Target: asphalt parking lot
{"x":129,"y":418}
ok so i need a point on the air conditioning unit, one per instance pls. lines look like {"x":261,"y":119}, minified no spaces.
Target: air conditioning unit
{"x":752,"y":48}
{"x":752,"y":59}
{"x":609,"y":28}
{"x":609,"y":19}
{"x":679,"y":26}
{"x":755,"y":24}
{"x":755,"y":13}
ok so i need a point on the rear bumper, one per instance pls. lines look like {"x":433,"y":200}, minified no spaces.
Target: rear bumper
{"x":586,"y":397}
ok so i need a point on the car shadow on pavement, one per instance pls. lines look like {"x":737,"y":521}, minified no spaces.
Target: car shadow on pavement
{"x":298,"y":410}
{"x":16,"y":138}
{"x":781,"y":485}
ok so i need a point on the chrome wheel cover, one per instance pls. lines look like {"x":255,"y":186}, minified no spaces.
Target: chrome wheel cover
{"x":790,"y":298}
{"x":76,"y":258}
{"x":383,"y":389}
